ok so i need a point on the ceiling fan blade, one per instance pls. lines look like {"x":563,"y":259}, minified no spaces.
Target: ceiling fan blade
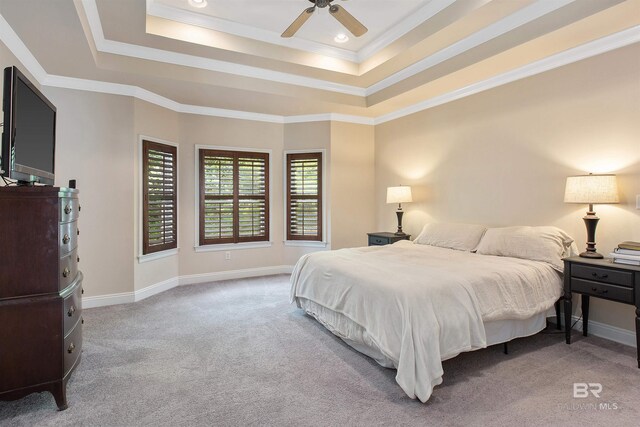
{"x":346,"y":19}
{"x":295,"y":25}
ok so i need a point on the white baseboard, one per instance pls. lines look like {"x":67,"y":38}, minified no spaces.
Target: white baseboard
{"x":111,"y":299}
{"x":234,"y":274}
{"x":156,"y":288}
{"x":612,"y":333}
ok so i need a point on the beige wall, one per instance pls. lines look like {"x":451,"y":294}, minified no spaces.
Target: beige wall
{"x":353,"y":181}
{"x":94,"y":147}
{"x":501,"y":157}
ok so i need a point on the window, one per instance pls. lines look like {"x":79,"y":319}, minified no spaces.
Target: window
{"x":160,"y":192}
{"x":304,"y":196}
{"x":234,"y":197}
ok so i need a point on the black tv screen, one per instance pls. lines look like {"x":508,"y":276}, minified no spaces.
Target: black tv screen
{"x":29,"y":137}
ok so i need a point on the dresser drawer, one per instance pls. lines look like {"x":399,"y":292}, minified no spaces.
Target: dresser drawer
{"x":68,"y":269}
{"x":72,"y":348}
{"x":608,"y":275}
{"x":68,"y":237}
{"x":603,"y":290}
{"x":377,"y":241}
{"x":72,"y":307}
{"x":69,"y":209}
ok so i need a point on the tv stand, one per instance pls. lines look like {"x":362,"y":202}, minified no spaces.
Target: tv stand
{"x":40,"y":291}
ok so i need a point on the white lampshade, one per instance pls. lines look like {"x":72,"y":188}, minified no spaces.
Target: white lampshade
{"x":401,"y":194}
{"x":591,"y":189}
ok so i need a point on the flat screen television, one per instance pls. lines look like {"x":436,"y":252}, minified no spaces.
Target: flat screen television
{"x":29,"y":132}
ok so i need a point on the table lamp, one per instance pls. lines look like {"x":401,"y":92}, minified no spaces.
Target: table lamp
{"x":399,"y":195}
{"x":591,"y":189}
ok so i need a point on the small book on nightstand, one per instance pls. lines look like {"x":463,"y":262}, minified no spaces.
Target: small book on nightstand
{"x":627,"y":253}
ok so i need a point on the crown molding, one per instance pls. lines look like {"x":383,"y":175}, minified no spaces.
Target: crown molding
{"x":506,"y":24}
{"x":332,"y":117}
{"x":403,"y":27}
{"x":584,"y":51}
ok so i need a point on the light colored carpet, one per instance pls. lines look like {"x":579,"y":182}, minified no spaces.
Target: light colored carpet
{"x":236,"y":353}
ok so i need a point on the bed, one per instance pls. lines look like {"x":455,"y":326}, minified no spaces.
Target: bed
{"x":409,"y":306}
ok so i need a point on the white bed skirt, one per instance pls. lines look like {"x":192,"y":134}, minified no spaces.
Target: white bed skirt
{"x":498,"y":331}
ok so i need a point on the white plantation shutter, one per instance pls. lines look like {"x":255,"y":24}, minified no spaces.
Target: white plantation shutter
{"x":159,"y":187}
{"x":234,"y":197}
{"x":304,"y":196}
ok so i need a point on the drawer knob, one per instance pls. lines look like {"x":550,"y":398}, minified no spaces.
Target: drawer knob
{"x":67,"y":209}
{"x":66,"y":239}
{"x":72,"y":310}
{"x":66,"y":272}
{"x":82,"y":291}
{"x":604,"y":276}
{"x":78,"y":259}
{"x":78,"y":231}
{"x":71,"y":348}
{"x":79,"y":208}
{"x":604,"y":291}
{"x":82,"y":320}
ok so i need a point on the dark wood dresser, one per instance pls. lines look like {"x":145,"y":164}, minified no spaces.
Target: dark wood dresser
{"x":40,"y":291}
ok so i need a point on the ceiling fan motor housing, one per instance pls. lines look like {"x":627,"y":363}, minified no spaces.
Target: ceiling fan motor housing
{"x":321,"y":3}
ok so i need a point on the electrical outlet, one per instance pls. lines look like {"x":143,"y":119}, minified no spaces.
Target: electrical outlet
{"x":227,"y":256}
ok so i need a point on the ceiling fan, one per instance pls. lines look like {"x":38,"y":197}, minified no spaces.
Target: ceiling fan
{"x":338,"y":12}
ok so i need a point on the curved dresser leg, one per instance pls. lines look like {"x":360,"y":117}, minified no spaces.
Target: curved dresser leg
{"x":59,"y":391}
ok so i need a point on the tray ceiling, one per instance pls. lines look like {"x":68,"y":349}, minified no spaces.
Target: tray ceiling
{"x":229,"y":54}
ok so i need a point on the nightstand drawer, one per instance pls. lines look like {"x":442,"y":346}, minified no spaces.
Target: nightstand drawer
{"x":377,"y":241}
{"x":602,"y":290}
{"x":623,"y":278}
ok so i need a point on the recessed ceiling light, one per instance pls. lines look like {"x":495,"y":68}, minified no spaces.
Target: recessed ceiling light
{"x":341,"y":38}
{"x":198,"y":3}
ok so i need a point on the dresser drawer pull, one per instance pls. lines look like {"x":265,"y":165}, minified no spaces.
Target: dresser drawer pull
{"x":72,"y":310}
{"x":79,"y":208}
{"x":66,"y":239}
{"x":67,"y":209}
{"x":82,"y":320}
{"x":604,"y":291}
{"x":597,"y":276}
{"x":66,"y":272}
{"x":78,"y":231}
{"x":78,"y":259}
{"x":71,"y":348}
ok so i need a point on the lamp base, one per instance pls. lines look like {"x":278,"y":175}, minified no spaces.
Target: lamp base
{"x":594,"y":255}
{"x":399,"y":213}
{"x":591,"y":221}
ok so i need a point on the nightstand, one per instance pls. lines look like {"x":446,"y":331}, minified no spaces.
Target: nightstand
{"x":600,"y":278}
{"x":384,"y":238}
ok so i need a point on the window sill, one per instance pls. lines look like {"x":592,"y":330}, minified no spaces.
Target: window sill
{"x":232,"y":246}
{"x":305,"y":243}
{"x":157,"y":255}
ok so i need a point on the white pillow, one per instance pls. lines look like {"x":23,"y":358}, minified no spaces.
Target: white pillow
{"x":547,"y":244}
{"x":463,"y":237}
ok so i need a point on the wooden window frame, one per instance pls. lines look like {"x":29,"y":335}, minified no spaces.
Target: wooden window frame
{"x":157,"y":146}
{"x":319,"y":155}
{"x":236,"y":154}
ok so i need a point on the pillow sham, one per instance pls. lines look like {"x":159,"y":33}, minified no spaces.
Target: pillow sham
{"x":463,"y":237}
{"x":546,"y":243}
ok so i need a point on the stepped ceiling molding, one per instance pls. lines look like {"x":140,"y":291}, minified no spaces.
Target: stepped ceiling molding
{"x":228,"y":58}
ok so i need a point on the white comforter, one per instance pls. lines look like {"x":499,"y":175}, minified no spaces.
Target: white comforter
{"x":423,"y":304}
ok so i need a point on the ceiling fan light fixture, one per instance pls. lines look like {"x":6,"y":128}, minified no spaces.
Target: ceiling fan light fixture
{"x":341,"y":38}
{"x":198,"y":3}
